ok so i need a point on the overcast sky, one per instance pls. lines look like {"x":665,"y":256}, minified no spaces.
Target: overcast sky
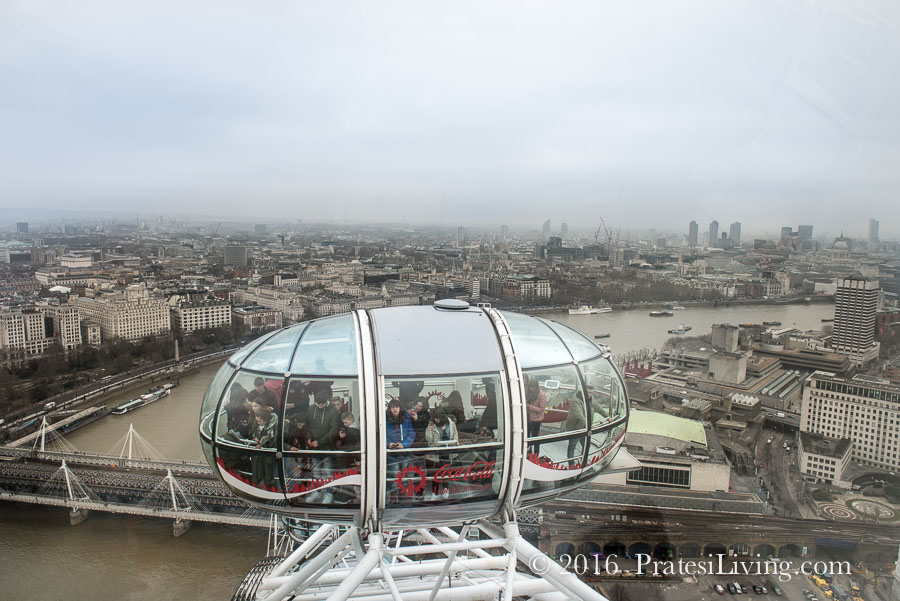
{"x":647,"y":113}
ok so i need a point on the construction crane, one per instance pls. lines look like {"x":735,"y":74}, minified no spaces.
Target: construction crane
{"x":608,"y":235}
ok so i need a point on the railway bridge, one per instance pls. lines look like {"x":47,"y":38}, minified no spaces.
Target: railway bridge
{"x":182,"y":490}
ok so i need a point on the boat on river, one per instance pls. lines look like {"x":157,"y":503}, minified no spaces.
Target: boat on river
{"x":144,"y":399}
{"x":588,"y":310}
{"x":661,"y":314}
{"x":681,"y":329}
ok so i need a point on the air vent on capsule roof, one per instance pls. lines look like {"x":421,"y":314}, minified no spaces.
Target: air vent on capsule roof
{"x":451,"y":304}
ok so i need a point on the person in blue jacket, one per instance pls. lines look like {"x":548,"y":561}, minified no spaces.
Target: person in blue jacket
{"x":400,"y":434}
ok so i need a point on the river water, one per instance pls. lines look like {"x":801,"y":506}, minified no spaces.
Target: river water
{"x":112,"y":558}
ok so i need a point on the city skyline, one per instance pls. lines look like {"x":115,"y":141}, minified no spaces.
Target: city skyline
{"x":646,"y":117}
{"x":50,"y":221}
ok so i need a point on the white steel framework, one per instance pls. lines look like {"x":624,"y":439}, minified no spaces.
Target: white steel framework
{"x":428,"y":564}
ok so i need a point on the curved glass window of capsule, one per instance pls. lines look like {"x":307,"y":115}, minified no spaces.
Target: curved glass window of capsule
{"x":322,"y":441}
{"x":557,"y":428}
{"x":444,"y":440}
{"x":211,"y":399}
{"x":328,"y":347}
{"x":248,"y":429}
{"x":605,"y":391}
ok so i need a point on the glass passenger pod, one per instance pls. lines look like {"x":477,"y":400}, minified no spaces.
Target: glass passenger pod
{"x":575,"y":402}
{"x":287,"y":424}
{"x":286,"y":412}
{"x":442,"y":415}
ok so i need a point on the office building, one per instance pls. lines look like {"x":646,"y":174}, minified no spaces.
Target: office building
{"x":190,"y":316}
{"x":462,"y":235}
{"x":713,"y":237}
{"x":824,"y":459}
{"x":260,"y":228}
{"x":131,"y":315}
{"x":855,"y":306}
{"x":545,"y":230}
{"x":23,"y":331}
{"x":864,"y":409}
{"x":804,"y":234}
{"x":734,"y":232}
{"x":873,"y":231}
{"x":693,"y":230}
{"x":65,"y":324}
{"x":235,"y":256}
{"x":256,"y":319}
{"x":563,"y":230}
{"x":22,"y":227}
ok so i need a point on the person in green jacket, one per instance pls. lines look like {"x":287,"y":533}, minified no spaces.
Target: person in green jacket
{"x":576,"y":420}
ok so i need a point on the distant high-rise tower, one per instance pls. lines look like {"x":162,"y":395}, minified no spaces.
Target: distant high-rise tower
{"x":734,"y":232}
{"x":804,"y":233}
{"x":546,"y":229}
{"x":235,"y":256}
{"x":504,"y":231}
{"x":855,"y":303}
{"x":461,"y":235}
{"x":693,"y":230}
{"x":260,"y":228}
{"x":563,"y":230}
{"x":22,"y":227}
{"x":873,"y":230}
{"x":713,"y":237}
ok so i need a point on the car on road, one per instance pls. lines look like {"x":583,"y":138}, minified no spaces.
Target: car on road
{"x":776,"y":590}
{"x":719,"y":589}
{"x":763,"y":590}
{"x":757,"y":590}
{"x":732,"y":589}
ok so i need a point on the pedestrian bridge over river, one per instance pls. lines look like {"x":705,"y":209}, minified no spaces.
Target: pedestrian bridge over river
{"x":184,"y":491}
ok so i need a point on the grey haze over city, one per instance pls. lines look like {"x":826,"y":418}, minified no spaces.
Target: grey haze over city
{"x":765,"y":112}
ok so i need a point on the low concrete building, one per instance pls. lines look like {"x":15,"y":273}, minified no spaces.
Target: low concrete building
{"x":674,"y":452}
{"x":823,"y":459}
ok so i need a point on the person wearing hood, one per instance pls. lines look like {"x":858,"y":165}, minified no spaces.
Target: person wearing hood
{"x":322,"y":420}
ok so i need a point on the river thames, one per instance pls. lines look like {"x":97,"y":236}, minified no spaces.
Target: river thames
{"x":111,"y":557}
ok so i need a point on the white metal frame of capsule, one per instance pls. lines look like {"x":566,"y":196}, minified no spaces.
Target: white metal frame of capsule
{"x":337,"y":564}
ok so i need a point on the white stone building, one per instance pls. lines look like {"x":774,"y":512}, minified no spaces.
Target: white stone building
{"x":290,"y":303}
{"x":131,"y":315}
{"x":22,"y":331}
{"x":864,"y":409}
{"x":190,"y":316}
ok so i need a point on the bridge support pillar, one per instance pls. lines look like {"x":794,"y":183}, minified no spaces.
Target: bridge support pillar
{"x":179,"y":527}
{"x":77,"y":516}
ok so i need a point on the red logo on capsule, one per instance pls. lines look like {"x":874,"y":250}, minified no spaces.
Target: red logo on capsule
{"x":480,"y":470}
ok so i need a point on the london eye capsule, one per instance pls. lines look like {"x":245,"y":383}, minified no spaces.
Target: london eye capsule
{"x":411,"y":416}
